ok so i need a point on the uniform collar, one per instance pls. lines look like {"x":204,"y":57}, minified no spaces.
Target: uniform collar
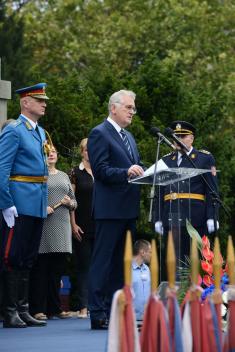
{"x":115,"y":125}
{"x":189,"y":152}
{"x":81,"y":166}
{"x":137,"y":266}
{"x":32,"y":123}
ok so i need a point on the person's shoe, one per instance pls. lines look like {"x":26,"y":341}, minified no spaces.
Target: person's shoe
{"x":40,"y":316}
{"x":99,"y":324}
{"x":13,"y":321}
{"x":83,"y":314}
{"x":30,"y":321}
{"x":64,"y":315}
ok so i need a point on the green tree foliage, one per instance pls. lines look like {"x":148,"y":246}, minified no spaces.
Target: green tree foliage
{"x":177,"y":55}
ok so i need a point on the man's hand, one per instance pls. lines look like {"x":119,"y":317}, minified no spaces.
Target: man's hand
{"x":211,"y":225}
{"x":9,"y":215}
{"x":77,"y":232}
{"x":159,"y":227}
{"x":135,"y":170}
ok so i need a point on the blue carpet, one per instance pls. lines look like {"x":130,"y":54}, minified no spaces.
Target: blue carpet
{"x":60,"y":335}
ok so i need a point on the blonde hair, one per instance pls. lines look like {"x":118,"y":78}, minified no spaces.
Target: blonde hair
{"x":83,"y":144}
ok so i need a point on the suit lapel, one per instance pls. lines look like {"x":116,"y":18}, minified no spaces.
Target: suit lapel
{"x":117,"y":137}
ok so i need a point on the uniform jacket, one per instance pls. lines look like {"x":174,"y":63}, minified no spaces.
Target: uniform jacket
{"x":113,"y":196}
{"x":22,"y":153}
{"x":198,"y":211}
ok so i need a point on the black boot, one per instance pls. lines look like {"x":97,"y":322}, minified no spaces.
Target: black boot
{"x":11,"y":316}
{"x":23,"y":305}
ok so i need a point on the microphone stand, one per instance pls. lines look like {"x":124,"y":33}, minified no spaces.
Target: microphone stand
{"x":152,"y":191}
{"x":152,"y":195}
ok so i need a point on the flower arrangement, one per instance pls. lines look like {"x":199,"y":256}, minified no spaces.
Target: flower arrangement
{"x":207,"y":280}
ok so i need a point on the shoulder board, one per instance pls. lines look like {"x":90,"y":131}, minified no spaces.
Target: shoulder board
{"x":204,"y":151}
{"x":171,"y":153}
{"x":28,"y":125}
{"x":16,"y":123}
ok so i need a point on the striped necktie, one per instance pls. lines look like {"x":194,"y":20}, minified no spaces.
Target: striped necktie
{"x":126,"y":142}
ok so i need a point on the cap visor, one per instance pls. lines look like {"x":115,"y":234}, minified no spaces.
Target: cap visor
{"x":44,"y":97}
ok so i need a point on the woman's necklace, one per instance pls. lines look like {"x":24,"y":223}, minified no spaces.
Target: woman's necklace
{"x":53,"y":171}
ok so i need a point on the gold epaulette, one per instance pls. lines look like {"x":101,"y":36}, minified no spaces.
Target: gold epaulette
{"x":204,"y":151}
{"x":171,"y":153}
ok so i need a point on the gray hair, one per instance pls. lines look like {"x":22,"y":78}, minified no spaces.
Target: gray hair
{"x":116,"y":97}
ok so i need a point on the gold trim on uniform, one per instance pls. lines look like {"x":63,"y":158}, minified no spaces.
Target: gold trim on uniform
{"x":30,"y":179}
{"x":28,"y":125}
{"x":174,"y":196}
{"x":204,"y":151}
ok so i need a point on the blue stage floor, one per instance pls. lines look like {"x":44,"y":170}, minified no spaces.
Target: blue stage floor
{"x":68,"y":335}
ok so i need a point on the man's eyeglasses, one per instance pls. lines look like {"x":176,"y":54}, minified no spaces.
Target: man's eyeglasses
{"x":130,"y":108}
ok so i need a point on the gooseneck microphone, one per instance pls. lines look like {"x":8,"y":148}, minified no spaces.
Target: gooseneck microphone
{"x":156,"y":132}
{"x":170,"y":132}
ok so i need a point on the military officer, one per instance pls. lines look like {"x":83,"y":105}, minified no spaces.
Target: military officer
{"x":189,"y":199}
{"x":23,"y":202}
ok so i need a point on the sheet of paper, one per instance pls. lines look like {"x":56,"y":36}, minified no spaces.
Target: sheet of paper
{"x":160,"y":167}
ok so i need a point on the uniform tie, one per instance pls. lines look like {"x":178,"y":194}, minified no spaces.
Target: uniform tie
{"x":126,"y":142}
{"x":180,"y":156}
{"x":37,"y":130}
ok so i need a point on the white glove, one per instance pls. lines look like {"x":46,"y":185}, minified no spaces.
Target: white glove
{"x":159,"y":227}
{"x":211,"y":225}
{"x":9,"y":215}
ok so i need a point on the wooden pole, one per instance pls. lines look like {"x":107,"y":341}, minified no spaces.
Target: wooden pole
{"x":217,"y":264}
{"x":231,"y":261}
{"x":171,"y":261}
{"x":217,"y":297}
{"x":128,"y":260}
{"x":154,"y":267}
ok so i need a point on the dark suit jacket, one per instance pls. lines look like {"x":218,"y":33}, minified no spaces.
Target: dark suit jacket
{"x":199,"y":211}
{"x":113,"y":196}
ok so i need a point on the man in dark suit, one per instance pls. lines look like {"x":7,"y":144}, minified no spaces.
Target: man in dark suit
{"x":114,"y":159}
{"x":189,"y":199}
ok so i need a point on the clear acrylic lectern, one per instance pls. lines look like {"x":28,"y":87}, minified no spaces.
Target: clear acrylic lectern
{"x":171,"y":177}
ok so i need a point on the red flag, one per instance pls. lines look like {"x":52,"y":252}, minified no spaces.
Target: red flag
{"x":205,"y":325}
{"x":175,"y":325}
{"x":231,"y":325}
{"x":123,"y":333}
{"x":195,"y":310}
{"x":154,"y":334}
{"x":128,"y":323}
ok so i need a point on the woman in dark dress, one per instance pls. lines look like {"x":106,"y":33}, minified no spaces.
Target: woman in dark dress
{"x":83,"y":225}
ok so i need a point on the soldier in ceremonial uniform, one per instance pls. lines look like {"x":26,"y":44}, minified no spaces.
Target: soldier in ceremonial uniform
{"x":23,"y":202}
{"x":189,"y":199}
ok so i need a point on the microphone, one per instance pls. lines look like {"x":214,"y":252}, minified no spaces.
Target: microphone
{"x":170,"y":132}
{"x":156,"y":132}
